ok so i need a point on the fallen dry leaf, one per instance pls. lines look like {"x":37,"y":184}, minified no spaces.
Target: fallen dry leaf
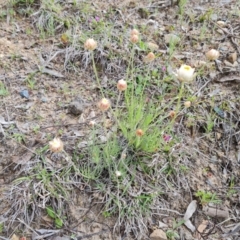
{"x":202,"y":226}
{"x":188,"y":214}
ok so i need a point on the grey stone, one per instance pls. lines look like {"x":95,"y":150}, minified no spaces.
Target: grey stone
{"x":75,"y":108}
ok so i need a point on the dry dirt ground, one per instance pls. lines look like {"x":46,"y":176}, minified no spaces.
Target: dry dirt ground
{"x":42,"y":77}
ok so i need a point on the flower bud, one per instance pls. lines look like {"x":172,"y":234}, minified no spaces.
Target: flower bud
{"x":92,"y":123}
{"x":122,"y":85}
{"x":65,"y":38}
{"x":104,"y":104}
{"x":139,"y":132}
{"x":166,"y":137}
{"x":135,"y":32}
{"x":172,"y":114}
{"x":118,"y":173}
{"x":212,"y":54}
{"x":187,"y":104}
{"x":149,"y":58}
{"x":90,"y":44}
{"x":185,"y":74}
{"x":134,"y":38}
{"x":56,"y":145}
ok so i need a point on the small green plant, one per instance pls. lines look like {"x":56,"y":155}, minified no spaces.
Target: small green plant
{"x":144,"y":201}
{"x":22,"y":2}
{"x":206,"y":16}
{"x":3,"y":90}
{"x":184,"y":168}
{"x":36,"y":129}
{"x":28,"y":31}
{"x":172,"y":46}
{"x":58,"y":220}
{"x":30,"y":81}
{"x":140,"y":117}
{"x":42,"y":150}
{"x":207,"y":197}
{"x":210,"y":124}
{"x":106,"y":214}
{"x":19,"y":137}
{"x":172,"y":233}
{"x":140,"y":120}
{"x":1,"y":227}
{"x":231,"y":189}
{"x":203,"y":31}
{"x":182,"y":4}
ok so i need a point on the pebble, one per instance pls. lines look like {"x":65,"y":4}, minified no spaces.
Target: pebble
{"x":75,"y":108}
{"x":221,"y":23}
{"x":44,"y":99}
{"x":158,"y":234}
{"x":232,"y":57}
{"x":24,"y":93}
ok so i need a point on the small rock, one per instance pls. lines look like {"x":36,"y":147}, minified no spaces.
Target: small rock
{"x":171,"y":38}
{"x":221,"y":23}
{"x":24,"y":93}
{"x":232,"y":57}
{"x":44,"y":99}
{"x":75,"y":108}
{"x":158,"y":234}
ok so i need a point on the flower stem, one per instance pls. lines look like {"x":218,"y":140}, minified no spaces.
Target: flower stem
{"x":96,"y":74}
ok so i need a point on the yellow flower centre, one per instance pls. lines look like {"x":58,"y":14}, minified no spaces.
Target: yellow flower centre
{"x":187,"y":68}
{"x":105,"y":101}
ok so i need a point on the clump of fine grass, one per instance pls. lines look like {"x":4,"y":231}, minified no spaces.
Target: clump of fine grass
{"x":22,"y":3}
{"x":50,"y":18}
{"x":122,"y":168}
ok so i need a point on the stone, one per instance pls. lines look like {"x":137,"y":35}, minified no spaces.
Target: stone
{"x":232,"y":57}
{"x":75,"y":108}
{"x":158,"y":234}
